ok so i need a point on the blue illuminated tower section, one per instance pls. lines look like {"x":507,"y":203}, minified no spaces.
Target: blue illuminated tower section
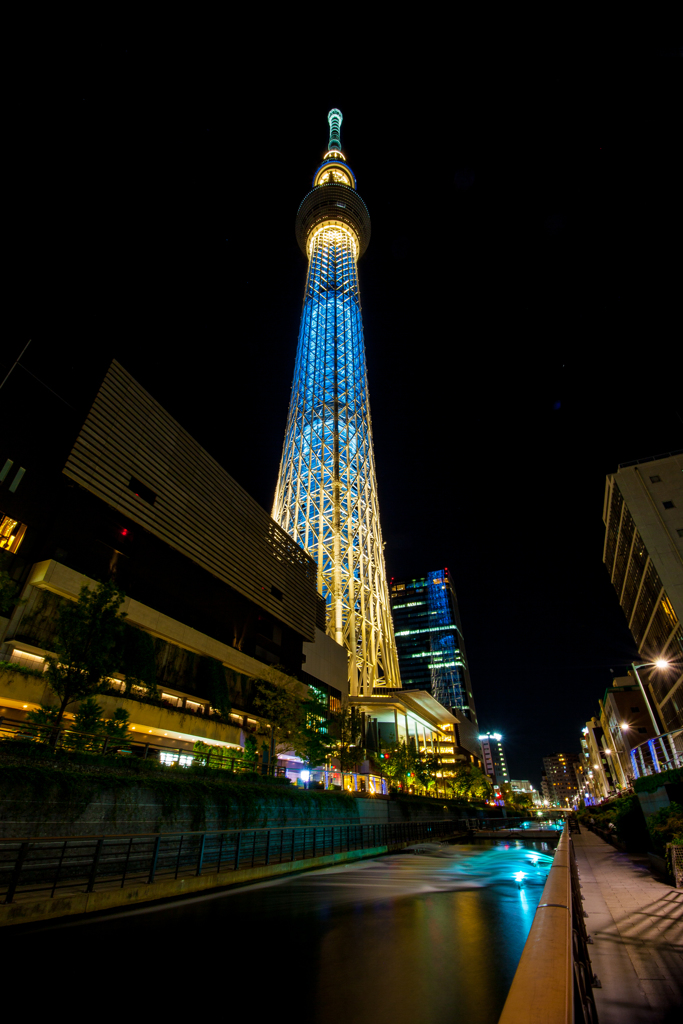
{"x":326,"y":496}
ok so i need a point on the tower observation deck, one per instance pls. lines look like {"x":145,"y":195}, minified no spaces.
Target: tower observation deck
{"x":326,"y":495}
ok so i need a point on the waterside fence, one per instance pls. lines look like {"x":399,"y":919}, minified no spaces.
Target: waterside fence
{"x":555,"y":978}
{"x":34,"y":868}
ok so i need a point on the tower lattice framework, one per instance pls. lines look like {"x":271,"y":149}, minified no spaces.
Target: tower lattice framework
{"x":326,"y":495}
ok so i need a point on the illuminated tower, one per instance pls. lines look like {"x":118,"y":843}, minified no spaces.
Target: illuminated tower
{"x":326,"y":495}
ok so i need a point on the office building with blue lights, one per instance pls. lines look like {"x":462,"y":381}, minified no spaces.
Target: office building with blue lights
{"x":431,"y":648}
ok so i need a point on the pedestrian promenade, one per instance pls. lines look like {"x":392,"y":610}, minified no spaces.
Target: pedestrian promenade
{"x":636,"y":922}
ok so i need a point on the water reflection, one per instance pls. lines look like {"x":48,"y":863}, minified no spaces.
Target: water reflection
{"x":429,"y":935}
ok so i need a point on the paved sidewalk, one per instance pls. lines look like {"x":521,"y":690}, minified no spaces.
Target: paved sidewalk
{"x":636,"y":922}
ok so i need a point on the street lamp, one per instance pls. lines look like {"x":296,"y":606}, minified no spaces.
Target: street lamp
{"x":659,"y":663}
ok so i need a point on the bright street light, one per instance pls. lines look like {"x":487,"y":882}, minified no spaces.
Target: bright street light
{"x":659,"y":663}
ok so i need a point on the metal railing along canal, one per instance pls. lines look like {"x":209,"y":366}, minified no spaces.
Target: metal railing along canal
{"x":34,"y":868}
{"x":555,"y":978}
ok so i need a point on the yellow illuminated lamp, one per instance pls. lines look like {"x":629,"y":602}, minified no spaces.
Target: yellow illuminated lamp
{"x":661,"y":663}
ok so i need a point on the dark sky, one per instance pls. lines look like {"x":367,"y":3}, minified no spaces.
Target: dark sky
{"x":518,"y":298}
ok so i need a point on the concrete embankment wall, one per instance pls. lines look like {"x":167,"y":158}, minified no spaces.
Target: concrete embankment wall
{"x":38,"y":802}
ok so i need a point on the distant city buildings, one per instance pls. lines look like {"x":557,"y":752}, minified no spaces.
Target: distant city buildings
{"x":523,"y":786}
{"x":643,"y":553}
{"x":599,"y":769}
{"x":495,"y":764}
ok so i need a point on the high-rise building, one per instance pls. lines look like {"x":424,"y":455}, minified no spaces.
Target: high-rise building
{"x":626,"y":724}
{"x":326,"y":494}
{"x":429,"y":640}
{"x":563,"y":783}
{"x":643,"y":552}
{"x":495,"y":764}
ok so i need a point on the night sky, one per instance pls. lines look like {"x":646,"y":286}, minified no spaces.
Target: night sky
{"x":518,"y":297}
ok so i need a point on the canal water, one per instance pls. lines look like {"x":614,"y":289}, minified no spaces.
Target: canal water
{"x":429,"y":936}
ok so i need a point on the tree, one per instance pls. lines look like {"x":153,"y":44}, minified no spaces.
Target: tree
{"x":311,"y":742}
{"x":285,"y":715}
{"x":87,"y":642}
{"x":469,"y":782}
{"x":345,"y":745}
{"x":515,"y":800}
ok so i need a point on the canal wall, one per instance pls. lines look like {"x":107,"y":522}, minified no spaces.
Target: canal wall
{"x":36,"y":800}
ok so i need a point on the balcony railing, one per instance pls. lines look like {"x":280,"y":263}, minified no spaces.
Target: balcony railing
{"x":658,"y":754}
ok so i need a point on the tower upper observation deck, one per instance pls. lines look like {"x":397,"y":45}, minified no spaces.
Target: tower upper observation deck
{"x":334,"y":201}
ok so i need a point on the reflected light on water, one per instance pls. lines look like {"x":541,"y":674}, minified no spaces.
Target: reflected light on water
{"x":432,"y":934}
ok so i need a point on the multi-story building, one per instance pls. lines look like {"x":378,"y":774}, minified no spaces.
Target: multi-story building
{"x":495,"y":764}
{"x":545,"y":790}
{"x":429,"y":640}
{"x":643,"y":553}
{"x":625,"y":724}
{"x":213,"y":586}
{"x":562,"y":781}
{"x":523,"y":786}
{"x":431,"y":650}
{"x":601,"y":781}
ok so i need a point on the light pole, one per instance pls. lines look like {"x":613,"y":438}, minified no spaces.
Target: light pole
{"x":660,"y":663}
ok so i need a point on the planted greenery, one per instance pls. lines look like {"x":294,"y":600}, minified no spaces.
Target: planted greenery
{"x":666,"y":826}
{"x":87,"y":638}
{"x":650,"y":783}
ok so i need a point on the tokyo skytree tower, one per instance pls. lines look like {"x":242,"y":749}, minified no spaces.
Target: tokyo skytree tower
{"x":326,"y":496}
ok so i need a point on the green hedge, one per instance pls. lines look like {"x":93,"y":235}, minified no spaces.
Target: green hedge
{"x":626,"y":814}
{"x":649,"y":783}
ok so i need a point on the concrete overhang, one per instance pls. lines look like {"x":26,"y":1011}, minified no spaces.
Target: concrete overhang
{"x":60,"y":579}
{"x":418,"y":704}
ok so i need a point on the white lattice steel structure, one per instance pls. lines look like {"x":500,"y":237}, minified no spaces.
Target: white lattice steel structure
{"x":326,"y":496}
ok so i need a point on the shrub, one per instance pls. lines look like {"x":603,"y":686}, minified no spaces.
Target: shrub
{"x":666,"y":826}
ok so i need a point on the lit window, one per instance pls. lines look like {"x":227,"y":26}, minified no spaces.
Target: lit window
{"x":185,"y":760}
{"x":11,"y":533}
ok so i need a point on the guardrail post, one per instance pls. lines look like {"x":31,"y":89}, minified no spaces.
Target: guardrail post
{"x":268,"y":847}
{"x":238,"y":843}
{"x":93,"y":870}
{"x":155,"y":856}
{"x":18,"y":865}
{"x":200,"y":858}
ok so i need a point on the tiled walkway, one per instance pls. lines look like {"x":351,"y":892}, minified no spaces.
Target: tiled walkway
{"x":636,"y":922}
